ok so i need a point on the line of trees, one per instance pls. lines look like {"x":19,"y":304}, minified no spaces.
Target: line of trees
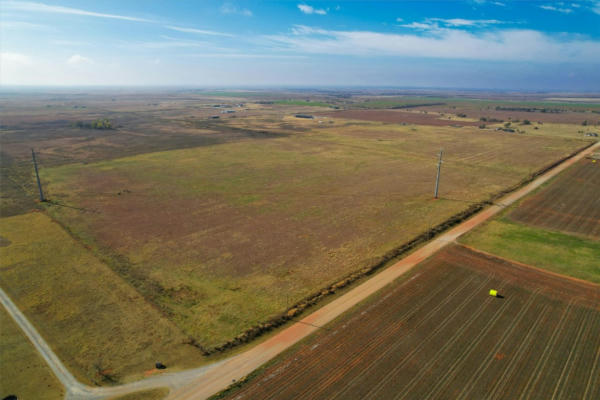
{"x":97,"y":124}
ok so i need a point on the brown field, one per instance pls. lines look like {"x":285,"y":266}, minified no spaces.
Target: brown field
{"x":571,"y":203}
{"x":223,"y":237}
{"x":398,"y":116}
{"x":211,"y":227}
{"x":477,"y":110}
{"x":438,"y":334}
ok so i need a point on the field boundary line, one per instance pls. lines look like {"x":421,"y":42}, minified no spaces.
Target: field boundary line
{"x":238,"y":367}
{"x":529,"y":266}
{"x":202,"y":385}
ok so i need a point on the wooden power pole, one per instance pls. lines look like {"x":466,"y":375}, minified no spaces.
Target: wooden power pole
{"x":437,"y":179}
{"x":37,"y":176}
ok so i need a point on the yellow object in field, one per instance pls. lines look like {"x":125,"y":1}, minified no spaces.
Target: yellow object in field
{"x":493,"y":293}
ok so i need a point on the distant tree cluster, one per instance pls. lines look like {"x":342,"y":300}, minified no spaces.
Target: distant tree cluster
{"x":97,"y":124}
{"x":531,"y":109}
{"x":488,"y":119}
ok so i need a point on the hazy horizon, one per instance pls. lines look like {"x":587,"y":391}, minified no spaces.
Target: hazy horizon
{"x":466,"y":45}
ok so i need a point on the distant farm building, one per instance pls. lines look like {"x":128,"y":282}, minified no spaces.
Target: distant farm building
{"x":305,"y":116}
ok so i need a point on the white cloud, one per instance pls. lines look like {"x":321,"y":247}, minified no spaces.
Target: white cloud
{"x":596,"y":7}
{"x":420,"y":25}
{"x":399,"y":19}
{"x":197,"y":31}
{"x":77,"y":59}
{"x":499,"y":4}
{"x":14,"y":59}
{"x":455,"y":22}
{"x":228,"y":8}
{"x":28,"y":6}
{"x":441,"y":23}
{"x":561,"y":10}
{"x":503,"y":45}
{"x":306,"y":9}
{"x":21,"y":25}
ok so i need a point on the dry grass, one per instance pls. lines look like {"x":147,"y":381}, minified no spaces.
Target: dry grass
{"x":222,"y":237}
{"x":24,"y":373}
{"x":153,"y":394}
{"x":101,"y":328}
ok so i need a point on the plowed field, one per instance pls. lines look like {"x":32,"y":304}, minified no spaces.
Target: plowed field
{"x":438,"y":334}
{"x":571,"y":203}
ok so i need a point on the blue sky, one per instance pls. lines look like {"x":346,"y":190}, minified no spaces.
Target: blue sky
{"x":503,"y":44}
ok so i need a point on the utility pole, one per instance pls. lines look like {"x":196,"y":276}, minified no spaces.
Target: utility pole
{"x":37,"y":176}
{"x":437,"y":179}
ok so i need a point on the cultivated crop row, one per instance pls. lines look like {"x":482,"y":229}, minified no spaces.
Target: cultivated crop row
{"x":440,"y":335}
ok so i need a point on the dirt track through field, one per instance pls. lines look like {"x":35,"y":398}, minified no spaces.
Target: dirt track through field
{"x":203,"y":382}
{"x":238,"y":367}
{"x":439,"y":334}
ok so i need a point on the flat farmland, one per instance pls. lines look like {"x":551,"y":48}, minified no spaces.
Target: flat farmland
{"x":221,"y":238}
{"x":570,"y":203}
{"x":398,"y":116}
{"x":436,"y":333}
{"x":26,"y":374}
{"x":100,"y":327}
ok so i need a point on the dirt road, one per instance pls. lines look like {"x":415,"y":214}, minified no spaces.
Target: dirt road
{"x":237,"y":367}
{"x":203,"y":382}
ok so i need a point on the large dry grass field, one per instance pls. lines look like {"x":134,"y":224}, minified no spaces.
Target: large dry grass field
{"x":437,"y":334}
{"x":571,"y":203}
{"x":100,"y":327}
{"x":25,"y":374}
{"x":222,"y":237}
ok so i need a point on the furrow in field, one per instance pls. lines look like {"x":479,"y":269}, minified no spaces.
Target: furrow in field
{"x":544,"y":382}
{"x":590,"y":344}
{"x":455,"y":368}
{"x":592,"y":381}
{"x":568,"y":367}
{"x":545,"y":354}
{"x":329,"y":354}
{"x":392,"y":349}
{"x":448,"y":346}
{"x":415,"y":350}
{"x":519,"y":355}
{"x":477,"y":376}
